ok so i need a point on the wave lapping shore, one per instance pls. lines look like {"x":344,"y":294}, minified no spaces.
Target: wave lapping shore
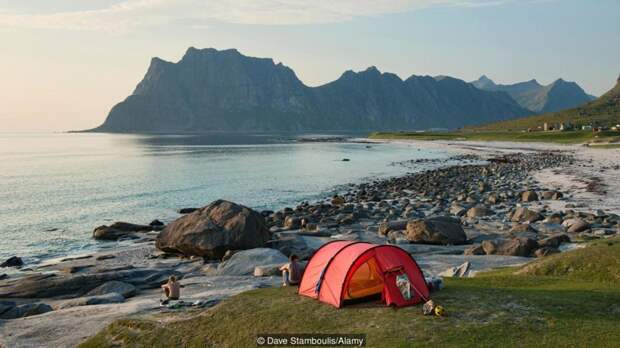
{"x":487,"y":213}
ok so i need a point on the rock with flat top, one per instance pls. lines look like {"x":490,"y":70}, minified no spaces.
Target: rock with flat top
{"x":114,"y":286}
{"x":92,"y":300}
{"x":437,"y":230}
{"x":244,"y":262}
{"x":512,"y":247}
{"x":119,"y":230}
{"x":26,"y":310}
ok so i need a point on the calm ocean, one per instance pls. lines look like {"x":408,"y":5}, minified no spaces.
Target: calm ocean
{"x":55,"y":188}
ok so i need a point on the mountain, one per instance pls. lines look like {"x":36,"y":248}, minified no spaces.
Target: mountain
{"x":211,"y":90}
{"x":533,"y":96}
{"x":604,"y":111}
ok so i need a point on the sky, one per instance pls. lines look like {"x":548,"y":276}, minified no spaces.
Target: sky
{"x":65,"y":63}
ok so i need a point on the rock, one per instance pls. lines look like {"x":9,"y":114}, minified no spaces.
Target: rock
{"x":457,"y":272}
{"x":522,"y":228}
{"x":550,"y":228}
{"x":244,"y":262}
{"x":92,"y":300}
{"x":13,"y":261}
{"x":211,"y":230}
{"x":338,"y":200}
{"x":522,"y":214}
{"x":478,"y":211}
{"x":438,"y":230}
{"x":114,"y":286}
{"x":493,"y":198}
{"x":228,"y":254}
{"x":513,"y":247}
{"x":105,"y":257}
{"x":554,"y":241}
{"x":26,"y":310}
{"x":475,"y":250}
{"x":575,"y":225}
{"x":187,"y":210}
{"x":554,"y":218}
{"x":552,"y":195}
{"x":75,"y":269}
{"x":267,"y":270}
{"x":545,"y":251}
{"x":292,"y":222}
{"x":3,"y":276}
{"x":119,"y":230}
{"x":457,"y":210}
{"x":386,"y":227}
{"x":61,"y":284}
{"x":156,"y":223}
{"x":6,"y":305}
{"x":529,"y":196}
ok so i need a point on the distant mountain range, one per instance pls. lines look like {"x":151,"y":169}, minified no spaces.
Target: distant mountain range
{"x":603,"y":111}
{"x":211,"y":90}
{"x":533,"y":96}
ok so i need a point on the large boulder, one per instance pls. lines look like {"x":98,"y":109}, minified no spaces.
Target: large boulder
{"x":114,"y":286}
{"x":119,"y":230}
{"x":436,"y":230}
{"x":211,"y":230}
{"x":26,"y":310}
{"x":244,"y":262}
{"x":522,"y":214}
{"x":511,"y":247}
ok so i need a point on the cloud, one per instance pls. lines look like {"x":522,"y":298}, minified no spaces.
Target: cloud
{"x":131,"y":14}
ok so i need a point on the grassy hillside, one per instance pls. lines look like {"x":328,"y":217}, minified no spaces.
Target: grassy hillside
{"x":604,"y":111}
{"x":571,"y":299}
{"x":573,"y":137}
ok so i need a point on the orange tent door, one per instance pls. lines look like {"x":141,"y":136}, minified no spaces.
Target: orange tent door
{"x":365,"y":281}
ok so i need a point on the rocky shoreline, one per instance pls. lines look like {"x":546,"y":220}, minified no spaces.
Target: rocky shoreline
{"x":486,"y":212}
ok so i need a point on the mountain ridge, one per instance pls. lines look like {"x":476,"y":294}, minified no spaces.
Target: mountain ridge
{"x":556,"y":96}
{"x":211,"y":90}
{"x":603,"y":111}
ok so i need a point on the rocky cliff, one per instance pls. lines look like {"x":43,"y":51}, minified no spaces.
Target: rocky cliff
{"x":211,"y":90}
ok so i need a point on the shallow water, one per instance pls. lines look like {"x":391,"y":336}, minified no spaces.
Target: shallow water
{"x":55,"y":188}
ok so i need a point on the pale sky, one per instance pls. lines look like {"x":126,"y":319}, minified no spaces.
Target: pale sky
{"x":65,"y":63}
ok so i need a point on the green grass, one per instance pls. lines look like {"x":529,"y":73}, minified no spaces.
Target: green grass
{"x":572,"y":137}
{"x":571,"y":299}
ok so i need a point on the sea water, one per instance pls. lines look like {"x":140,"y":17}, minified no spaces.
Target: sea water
{"x":56,"y":188}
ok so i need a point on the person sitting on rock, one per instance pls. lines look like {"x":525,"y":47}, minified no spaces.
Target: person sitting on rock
{"x":291,"y":272}
{"x":172,"y":289}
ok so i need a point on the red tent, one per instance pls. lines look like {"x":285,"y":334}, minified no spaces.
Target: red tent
{"x":348,"y":270}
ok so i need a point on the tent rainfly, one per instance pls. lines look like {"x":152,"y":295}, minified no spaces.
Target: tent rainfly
{"x":348,"y":270}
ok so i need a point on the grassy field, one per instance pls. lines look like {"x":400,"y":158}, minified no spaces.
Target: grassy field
{"x":572,"y":137}
{"x":569,"y":299}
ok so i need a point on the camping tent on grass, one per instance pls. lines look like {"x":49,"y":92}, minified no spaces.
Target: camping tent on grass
{"x":348,"y":270}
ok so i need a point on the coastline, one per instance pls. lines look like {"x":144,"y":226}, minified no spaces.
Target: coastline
{"x":202,"y":283}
